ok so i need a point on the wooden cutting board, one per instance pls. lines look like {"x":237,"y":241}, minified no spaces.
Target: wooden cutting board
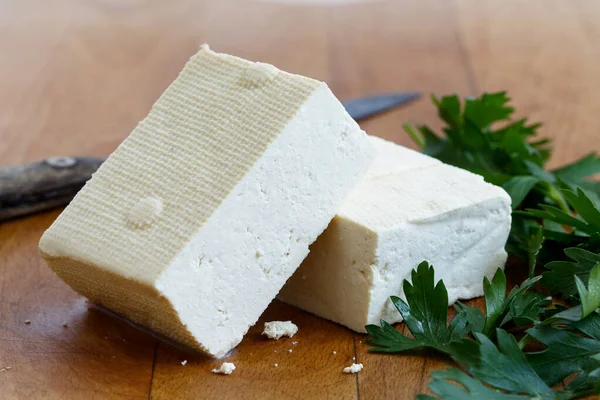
{"x":77,"y":75}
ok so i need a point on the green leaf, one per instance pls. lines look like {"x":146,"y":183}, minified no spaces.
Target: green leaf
{"x":590,"y":296}
{"x":498,"y":304}
{"x":502,"y":373}
{"x":559,"y":216}
{"x":560,"y":277}
{"x":449,"y":111}
{"x":473,"y":315}
{"x":425,"y":313}
{"x":571,"y":318}
{"x":533,"y":249}
{"x":566,"y":353}
{"x":443,"y":384}
{"x":518,"y":188}
{"x":589,"y":325}
{"x":587,"y":382}
{"x":389,"y":340}
{"x":539,"y":172}
{"x":495,"y":297}
{"x":585,"y":208}
{"x":504,"y":367}
{"x":489,"y":108}
{"x":525,"y":309}
{"x":582,"y":168}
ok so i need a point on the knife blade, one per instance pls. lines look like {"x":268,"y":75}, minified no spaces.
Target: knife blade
{"x":366,"y":107}
{"x":51,"y":183}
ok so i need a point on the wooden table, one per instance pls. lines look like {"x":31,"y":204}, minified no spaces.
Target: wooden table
{"x":76,"y":76}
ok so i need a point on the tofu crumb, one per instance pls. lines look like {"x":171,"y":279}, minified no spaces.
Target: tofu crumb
{"x":353,"y":369}
{"x":294,"y":342}
{"x":290,"y":350}
{"x":27,"y":322}
{"x":276,"y":365}
{"x":277,"y":329}
{"x":334,"y":352}
{"x":184,"y":362}
{"x":7,"y":368}
{"x":353,"y":358}
{"x":225,"y":369}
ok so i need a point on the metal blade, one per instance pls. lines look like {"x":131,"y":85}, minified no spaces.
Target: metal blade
{"x":365,"y":107}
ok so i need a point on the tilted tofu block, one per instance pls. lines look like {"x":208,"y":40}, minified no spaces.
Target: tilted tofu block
{"x":196,"y":221}
{"x":408,"y":208}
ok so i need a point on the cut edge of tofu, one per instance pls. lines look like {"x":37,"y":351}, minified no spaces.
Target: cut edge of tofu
{"x":463,"y":245}
{"x":378,"y":267}
{"x":305,"y":170}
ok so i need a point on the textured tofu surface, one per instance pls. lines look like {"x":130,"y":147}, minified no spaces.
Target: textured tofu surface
{"x":194,"y":223}
{"x":408,"y":208}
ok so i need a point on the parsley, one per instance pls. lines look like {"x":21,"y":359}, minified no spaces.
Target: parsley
{"x":556,"y":229}
{"x":560,"y":277}
{"x":425,"y":313}
{"x":504,"y":367}
{"x":566,"y":353}
{"x":590,"y":296}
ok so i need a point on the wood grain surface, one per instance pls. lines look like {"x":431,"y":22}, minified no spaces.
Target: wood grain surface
{"x":77,"y":75}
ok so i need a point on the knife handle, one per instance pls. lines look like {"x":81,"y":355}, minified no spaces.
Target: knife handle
{"x":39,"y":186}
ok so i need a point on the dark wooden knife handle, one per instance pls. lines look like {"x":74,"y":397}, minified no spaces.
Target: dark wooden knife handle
{"x":31,"y":188}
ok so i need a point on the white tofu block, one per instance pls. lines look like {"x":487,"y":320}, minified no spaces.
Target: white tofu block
{"x":196,"y":221}
{"x":420,"y":209}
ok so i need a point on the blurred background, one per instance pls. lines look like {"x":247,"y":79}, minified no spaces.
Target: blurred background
{"x":77,"y":75}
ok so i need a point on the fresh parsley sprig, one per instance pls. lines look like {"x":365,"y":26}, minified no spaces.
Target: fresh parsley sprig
{"x":496,"y":363}
{"x":556,"y":225}
{"x":425,"y":312}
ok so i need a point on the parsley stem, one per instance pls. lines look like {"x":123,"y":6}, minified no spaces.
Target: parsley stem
{"x":524,"y":341}
{"x":414,"y":135}
{"x":558,"y":198}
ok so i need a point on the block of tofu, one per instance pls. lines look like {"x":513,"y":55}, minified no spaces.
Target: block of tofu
{"x":195,"y":222}
{"x":408,"y":208}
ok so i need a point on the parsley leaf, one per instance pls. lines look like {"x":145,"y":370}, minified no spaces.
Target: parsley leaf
{"x":501,"y":309}
{"x":580,"y":169}
{"x":587,"y":222}
{"x":534,"y":245}
{"x":560,"y":277}
{"x":525,"y":309}
{"x":519,"y":187}
{"x":425,"y":313}
{"x":587,"y":382}
{"x":504,"y":367}
{"x":590,"y":296}
{"x":469,"y":389}
{"x":502,"y":373}
{"x":566,"y":354}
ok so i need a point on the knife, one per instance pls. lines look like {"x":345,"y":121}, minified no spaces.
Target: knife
{"x":51,"y":183}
